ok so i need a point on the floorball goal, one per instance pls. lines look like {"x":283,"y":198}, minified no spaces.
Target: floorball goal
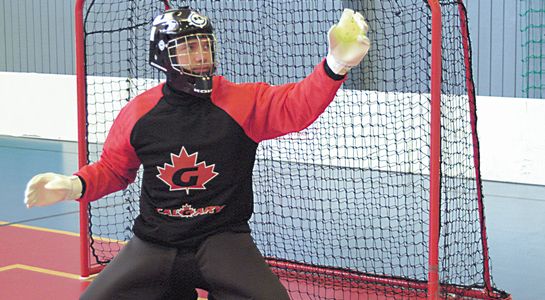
{"x":381,"y":198}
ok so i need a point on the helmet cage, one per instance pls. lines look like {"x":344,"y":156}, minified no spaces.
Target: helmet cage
{"x":193,"y":54}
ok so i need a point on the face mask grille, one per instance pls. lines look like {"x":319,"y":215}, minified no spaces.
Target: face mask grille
{"x":193,"y":54}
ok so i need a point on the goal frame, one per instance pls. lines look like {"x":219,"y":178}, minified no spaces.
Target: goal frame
{"x":333,"y":276}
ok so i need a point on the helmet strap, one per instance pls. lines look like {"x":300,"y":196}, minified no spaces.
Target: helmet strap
{"x":203,"y":85}
{"x":199,"y":87}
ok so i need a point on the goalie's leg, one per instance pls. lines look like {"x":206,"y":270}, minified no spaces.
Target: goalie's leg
{"x":141,"y":270}
{"x":235,"y":269}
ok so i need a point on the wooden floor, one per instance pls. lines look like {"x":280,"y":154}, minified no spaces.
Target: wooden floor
{"x":38,"y":262}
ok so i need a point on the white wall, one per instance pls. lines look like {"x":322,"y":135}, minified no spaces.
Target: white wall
{"x":511,"y":130}
{"x":38,"y":105}
{"x":512,"y":139}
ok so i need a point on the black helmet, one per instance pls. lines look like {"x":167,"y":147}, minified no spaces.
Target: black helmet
{"x":182,"y":44}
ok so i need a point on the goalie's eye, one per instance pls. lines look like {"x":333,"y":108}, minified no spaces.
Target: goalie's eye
{"x":195,"y":45}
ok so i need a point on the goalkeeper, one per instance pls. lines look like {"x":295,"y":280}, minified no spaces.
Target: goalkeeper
{"x":196,"y":137}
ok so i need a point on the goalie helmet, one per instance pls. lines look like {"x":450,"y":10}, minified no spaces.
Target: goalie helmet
{"x":182,"y":44}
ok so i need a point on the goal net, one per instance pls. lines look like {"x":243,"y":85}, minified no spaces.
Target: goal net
{"x":357,"y":204}
{"x":532,"y":16}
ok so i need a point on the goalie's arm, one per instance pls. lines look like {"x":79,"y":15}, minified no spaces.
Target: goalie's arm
{"x":118,"y":163}
{"x":116,"y":168}
{"x":266,"y":112}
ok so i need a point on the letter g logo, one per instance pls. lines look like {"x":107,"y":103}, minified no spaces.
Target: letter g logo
{"x":186,"y":177}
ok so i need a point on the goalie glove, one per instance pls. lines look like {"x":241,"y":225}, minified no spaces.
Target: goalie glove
{"x":50,"y":188}
{"x":348,"y":42}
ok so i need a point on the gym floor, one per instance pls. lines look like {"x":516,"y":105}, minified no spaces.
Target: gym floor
{"x":39,"y":250}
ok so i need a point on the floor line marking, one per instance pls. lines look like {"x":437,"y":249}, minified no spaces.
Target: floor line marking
{"x":41,"y":270}
{"x":41,"y":229}
{"x":40,"y":218}
{"x":60,"y":232}
{"x":6,"y":268}
{"x":51,"y":272}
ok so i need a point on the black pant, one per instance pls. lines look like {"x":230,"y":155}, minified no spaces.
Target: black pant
{"x":227,"y":264}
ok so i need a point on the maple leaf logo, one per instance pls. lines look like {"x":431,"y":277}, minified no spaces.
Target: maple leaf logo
{"x":184,"y":173}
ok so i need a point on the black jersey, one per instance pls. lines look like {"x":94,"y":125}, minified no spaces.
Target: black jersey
{"x":198,"y":155}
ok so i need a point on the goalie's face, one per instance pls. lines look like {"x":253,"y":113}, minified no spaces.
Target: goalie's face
{"x":193,"y":54}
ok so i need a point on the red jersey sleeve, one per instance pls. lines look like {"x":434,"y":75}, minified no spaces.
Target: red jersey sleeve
{"x":265,"y":112}
{"x":118,"y":163}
